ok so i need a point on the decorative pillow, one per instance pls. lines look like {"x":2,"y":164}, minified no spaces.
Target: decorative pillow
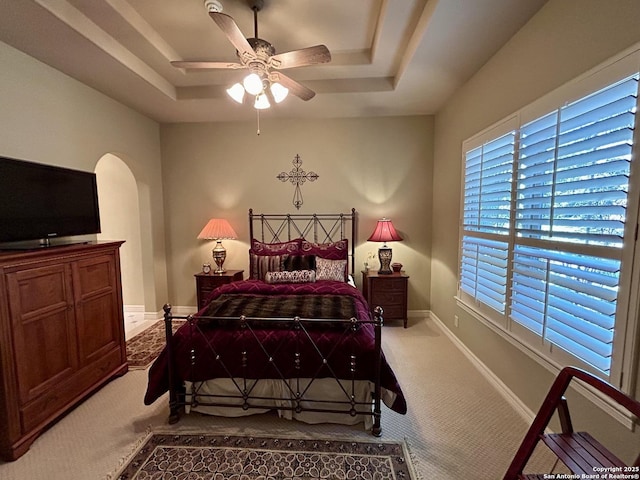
{"x":333,"y":251}
{"x":261,"y":264}
{"x":298,"y":262}
{"x":282,"y":248}
{"x":296,"y":276}
{"x":330,"y":269}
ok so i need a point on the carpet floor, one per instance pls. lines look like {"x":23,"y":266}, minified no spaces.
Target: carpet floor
{"x":217,"y":457}
{"x":457,"y":425}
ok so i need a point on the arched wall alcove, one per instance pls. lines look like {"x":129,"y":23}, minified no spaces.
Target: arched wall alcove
{"x":119,"y":203}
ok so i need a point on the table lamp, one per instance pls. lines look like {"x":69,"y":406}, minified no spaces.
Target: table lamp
{"x":218,"y":229}
{"x":384,"y":232}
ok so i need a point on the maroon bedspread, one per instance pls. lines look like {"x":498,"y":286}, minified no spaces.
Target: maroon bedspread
{"x":257,"y":287}
{"x":262,"y":352}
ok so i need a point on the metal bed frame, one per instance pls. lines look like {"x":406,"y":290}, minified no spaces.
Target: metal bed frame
{"x":323,"y":228}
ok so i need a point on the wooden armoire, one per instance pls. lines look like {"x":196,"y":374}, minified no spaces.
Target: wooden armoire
{"x":61,"y":334}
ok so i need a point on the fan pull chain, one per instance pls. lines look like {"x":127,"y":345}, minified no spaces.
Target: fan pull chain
{"x":258,"y":116}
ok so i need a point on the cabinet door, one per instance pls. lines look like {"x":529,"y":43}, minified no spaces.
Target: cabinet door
{"x":98,"y":311}
{"x":44,"y":336}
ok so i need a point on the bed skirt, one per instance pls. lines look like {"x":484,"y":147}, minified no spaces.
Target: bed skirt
{"x":271,"y":394}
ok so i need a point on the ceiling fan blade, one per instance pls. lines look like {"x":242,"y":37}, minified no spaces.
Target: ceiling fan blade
{"x":294,"y":87}
{"x":233,"y":33}
{"x":205,"y":65}
{"x":301,"y":58}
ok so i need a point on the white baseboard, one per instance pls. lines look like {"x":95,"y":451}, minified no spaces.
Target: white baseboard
{"x":133,"y":308}
{"x":183,"y":310}
{"x":153,"y":315}
{"x":176,"y":310}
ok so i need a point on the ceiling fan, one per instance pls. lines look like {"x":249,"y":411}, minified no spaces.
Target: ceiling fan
{"x":266,"y":81}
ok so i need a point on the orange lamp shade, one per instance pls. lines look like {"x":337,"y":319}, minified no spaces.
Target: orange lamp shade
{"x":217,"y":229}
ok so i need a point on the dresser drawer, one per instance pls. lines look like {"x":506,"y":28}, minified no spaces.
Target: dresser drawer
{"x":72,"y":389}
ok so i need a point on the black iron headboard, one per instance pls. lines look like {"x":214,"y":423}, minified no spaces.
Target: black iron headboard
{"x":315,"y":227}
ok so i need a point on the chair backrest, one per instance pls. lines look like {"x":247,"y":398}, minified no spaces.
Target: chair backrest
{"x":555,"y":401}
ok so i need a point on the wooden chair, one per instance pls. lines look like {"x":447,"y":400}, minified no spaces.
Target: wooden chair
{"x":579,"y":451}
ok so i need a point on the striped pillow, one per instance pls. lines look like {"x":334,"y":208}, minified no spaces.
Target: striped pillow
{"x":261,"y":264}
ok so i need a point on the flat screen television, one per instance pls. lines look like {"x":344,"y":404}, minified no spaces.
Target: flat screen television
{"x":41,"y":202}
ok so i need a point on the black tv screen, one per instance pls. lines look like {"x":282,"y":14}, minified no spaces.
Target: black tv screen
{"x":42,"y":201}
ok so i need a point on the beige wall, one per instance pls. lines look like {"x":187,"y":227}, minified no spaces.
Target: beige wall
{"x":120,"y":218}
{"x":380,"y":166}
{"x":565,"y":39}
{"x":406,"y":168}
{"x":47,"y":117}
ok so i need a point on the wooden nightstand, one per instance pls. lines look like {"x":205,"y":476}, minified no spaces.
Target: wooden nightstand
{"x":206,"y":282}
{"x":389,"y":292}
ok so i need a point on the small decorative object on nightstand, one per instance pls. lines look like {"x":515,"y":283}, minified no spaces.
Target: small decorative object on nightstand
{"x":388,"y":291}
{"x":207,"y":282}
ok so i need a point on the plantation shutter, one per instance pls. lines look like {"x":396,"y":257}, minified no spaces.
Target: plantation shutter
{"x":486,"y":221}
{"x":484,"y":263}
{"x":572,"y":186}
{"x":487,"y":191}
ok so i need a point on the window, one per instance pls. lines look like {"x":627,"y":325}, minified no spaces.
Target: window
{"x":545,"y":226}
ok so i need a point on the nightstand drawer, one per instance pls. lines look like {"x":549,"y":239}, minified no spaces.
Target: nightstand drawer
{"x":391,"y":286}
{"x":393,"y":312}
{"x":208,"y":282}
{"x":387,"y":297}
{"x":203,"y":293}
{"x":388,"y":291}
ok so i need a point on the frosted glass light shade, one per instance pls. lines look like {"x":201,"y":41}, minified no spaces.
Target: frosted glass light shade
{"x":252,"y":84}
{"x":279,"y":92}
{"x":262,"y":102}
{"x":236,"y":91}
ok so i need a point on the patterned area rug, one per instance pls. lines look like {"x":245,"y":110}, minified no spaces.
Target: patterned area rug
{"x":146,"y":346}
{"x":216,"y":457}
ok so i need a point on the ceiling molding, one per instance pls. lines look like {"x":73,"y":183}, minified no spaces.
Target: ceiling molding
{"x":77,"y":21}
{"x":341,"y":85}
{"x":415,"y":39}
{"x":382,"y":63}
{"x":377,"y":32}
{"x":140,"y":25}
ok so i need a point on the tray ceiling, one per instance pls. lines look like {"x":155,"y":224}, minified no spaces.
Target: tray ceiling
{"x":402,"y":57}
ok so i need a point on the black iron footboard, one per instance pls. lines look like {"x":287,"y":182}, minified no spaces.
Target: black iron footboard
{"x":297,"y":384}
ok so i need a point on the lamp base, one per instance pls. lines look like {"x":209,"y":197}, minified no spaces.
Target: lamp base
{"x":384,"y":255}
{"x":219,"y":255}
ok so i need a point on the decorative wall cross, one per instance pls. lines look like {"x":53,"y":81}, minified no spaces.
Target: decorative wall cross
{"x":297,"y":176}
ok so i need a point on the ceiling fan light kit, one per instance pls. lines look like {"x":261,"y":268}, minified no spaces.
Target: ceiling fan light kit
{"x":279,"y":92}
{"x":262,"y":102}
{"x":265,"y":82}
{"x":236,"y":91}
{"x":252,"y":83}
